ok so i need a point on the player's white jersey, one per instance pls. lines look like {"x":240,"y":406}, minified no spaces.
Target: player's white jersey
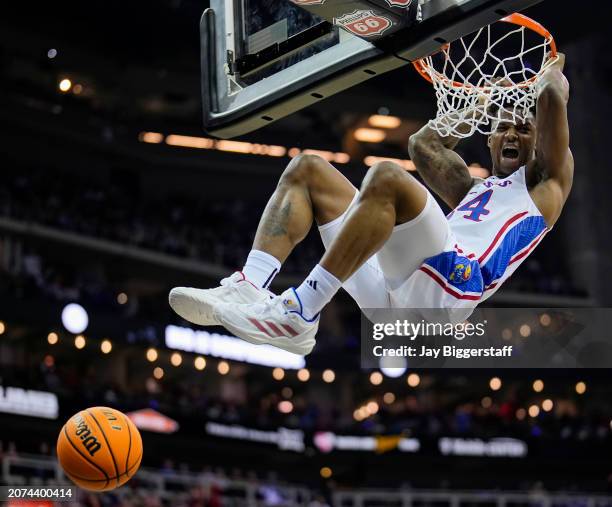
{"x":479,"y":245}
{"x":493,"y":229}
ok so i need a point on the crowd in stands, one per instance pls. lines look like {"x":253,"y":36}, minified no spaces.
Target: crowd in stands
{"x":218,"y":232}
{"x":249,"y":396}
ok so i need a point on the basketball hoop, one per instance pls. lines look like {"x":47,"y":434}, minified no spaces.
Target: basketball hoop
{"x":483,"y":75}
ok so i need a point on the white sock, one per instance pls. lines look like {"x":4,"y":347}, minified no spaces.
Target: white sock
{"x":261,"y":268}
{"x":316,"y":291}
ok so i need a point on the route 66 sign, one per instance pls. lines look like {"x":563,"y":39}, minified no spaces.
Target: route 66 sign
{"x":364,"y":23}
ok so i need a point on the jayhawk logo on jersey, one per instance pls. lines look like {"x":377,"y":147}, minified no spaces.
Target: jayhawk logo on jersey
{"x":462,"y":272}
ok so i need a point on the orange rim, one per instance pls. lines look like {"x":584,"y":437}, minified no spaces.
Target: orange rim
{"x":422,"y":67}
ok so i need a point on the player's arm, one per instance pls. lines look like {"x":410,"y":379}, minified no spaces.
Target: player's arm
{"x":442,"y":169}
{"x":553,"y":157}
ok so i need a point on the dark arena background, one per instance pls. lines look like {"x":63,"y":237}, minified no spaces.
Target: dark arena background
{"x":111,"y":194}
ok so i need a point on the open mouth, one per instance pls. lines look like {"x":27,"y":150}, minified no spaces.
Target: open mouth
{"x":510,"y":153}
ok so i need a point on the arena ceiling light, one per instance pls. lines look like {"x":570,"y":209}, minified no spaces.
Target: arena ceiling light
{"x":393,"y":367}
{"x":202,"y":143}
{"x":366,"y":135}
{"x":151,"y":137}
{"x":75,"y":318}
{"x":199,"y":363}
{"x":392,"y":372}
{"x":106,"y":346}
{"x":376,"y":378}
{"x":382,"y":121}
{"x":389,"y":398}
{"x":413,"y":380}
{"x":251,"y":148}
{"x":269,"y":150}
{"x":328,"y":376}
{"x":65,"y":85}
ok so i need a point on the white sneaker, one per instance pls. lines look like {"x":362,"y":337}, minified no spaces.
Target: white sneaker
{"x":277,"y":322}
{"x":196,"y":305}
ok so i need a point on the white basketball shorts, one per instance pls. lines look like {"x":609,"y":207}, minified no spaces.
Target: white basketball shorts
{"x":397,"y":275}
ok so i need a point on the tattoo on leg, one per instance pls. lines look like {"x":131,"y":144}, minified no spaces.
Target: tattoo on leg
{"x":276,"y":220}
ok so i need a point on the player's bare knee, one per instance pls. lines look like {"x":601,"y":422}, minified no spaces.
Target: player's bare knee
{"x":383,"y":179}
{"x":301,"y":170}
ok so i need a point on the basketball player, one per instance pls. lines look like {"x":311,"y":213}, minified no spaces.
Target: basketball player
{"x":390,"y":245}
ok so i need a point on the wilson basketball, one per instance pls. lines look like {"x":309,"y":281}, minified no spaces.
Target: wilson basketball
{"x":99,"y":448}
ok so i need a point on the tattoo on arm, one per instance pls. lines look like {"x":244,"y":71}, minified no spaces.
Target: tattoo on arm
{"x":442,"y":169}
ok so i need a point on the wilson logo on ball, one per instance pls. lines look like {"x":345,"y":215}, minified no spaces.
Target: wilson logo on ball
{"x":84,"y":433}
{"x":400,"y":3}
{"x":364,"y":23}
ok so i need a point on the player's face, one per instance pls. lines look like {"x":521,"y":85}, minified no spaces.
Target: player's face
{"x":512,"y":145}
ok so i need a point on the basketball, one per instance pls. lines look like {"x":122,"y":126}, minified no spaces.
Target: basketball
{"x":99,"y":448}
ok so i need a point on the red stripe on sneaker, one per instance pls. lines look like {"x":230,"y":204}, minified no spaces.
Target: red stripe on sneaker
{"x":274,"y":328}
{"x":258,"y":325}
{"x":290,"y":330}
{"x":244,"y":279}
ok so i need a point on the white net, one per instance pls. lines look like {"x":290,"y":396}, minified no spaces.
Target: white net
{"x":485,"y":76}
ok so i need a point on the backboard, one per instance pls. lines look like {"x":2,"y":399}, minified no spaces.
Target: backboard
{"x":263,"y":60}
